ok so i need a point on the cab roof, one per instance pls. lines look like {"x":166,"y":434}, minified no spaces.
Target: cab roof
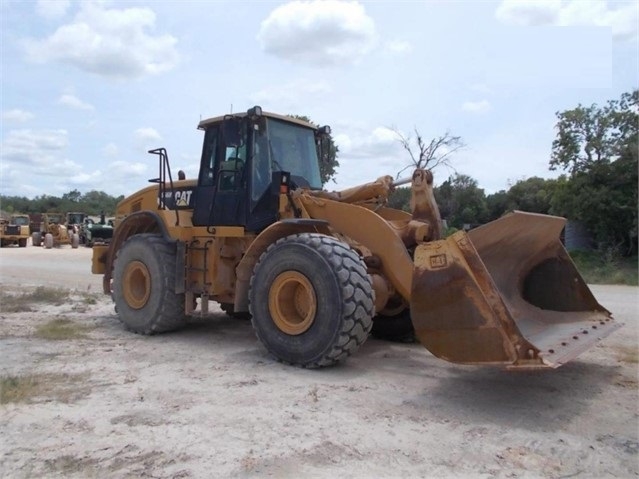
{"x":218,"y":119}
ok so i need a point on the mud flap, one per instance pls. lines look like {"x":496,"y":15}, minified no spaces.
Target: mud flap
{"x":505,"y":293}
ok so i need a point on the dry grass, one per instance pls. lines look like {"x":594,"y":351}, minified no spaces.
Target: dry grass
{"x":24,"y":302}
{"x":53,"y":387}
{"x":628,"y":354}
{"x":62,"y":328}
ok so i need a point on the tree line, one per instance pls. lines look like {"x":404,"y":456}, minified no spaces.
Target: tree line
{"x":597,"y":148}
{"x":92,"y":203}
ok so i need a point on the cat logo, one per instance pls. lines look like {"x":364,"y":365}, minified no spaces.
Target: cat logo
{"x":178,"y":199}
{"x":183,"y":198}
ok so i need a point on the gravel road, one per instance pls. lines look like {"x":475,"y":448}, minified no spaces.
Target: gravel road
{"x":208,"y":401}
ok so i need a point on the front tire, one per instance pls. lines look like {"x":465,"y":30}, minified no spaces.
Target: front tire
{"x":48,"y":241}
{"x":311,"y":300}
{"x":144,"y":285}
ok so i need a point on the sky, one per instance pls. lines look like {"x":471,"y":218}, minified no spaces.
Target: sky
{"x":88,"y":87}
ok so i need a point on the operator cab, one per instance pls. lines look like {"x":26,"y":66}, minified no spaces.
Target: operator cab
{"x":245,"y":158}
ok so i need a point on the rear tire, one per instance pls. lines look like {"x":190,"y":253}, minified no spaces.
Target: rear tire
{"x":36,"y":239}
{"x":22,"y":243}
{"x":398,"y":328}
{"x":144,"y":285}
{"x":48,"y":241}
{"x":75,"y":240}
{"x":311,"y":300}
{"x":229,"y":309}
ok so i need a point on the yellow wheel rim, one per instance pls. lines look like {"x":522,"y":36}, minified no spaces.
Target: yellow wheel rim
{"x":136,"y":284}
{"x":292,"y":302}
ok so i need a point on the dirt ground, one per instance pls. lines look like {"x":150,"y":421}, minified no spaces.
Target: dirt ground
{"x":209,"y":402}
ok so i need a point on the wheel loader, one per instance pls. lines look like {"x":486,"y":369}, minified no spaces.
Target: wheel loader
{"x":316,"y":270}
{"x":15,"y":231}
{"x":54,"y":231}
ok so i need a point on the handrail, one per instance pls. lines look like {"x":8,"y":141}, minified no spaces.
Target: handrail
{"x":164,"y":167}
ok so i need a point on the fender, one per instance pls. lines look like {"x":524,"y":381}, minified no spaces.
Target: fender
{"x":135,"y":223}
{"x":270,"y":235}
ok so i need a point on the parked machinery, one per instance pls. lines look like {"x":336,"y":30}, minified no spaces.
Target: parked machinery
{"x":55,"y":232}
{"x":14,"y":231}
{"x":318,"y":270}
{"x":96,"y":232}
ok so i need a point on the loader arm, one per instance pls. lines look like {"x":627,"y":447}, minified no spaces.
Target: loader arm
{"x":372,"y":231}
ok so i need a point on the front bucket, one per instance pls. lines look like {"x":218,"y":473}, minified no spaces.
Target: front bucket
{"x":505,"y":293}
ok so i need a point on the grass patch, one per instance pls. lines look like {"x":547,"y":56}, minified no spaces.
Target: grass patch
{"x":602,"y":268}
{"x":55,"y":387}
{"x":628,"y":354}
{"x":23,"y":302}
{"x":17,"y":388}
{"x":62,"y":328}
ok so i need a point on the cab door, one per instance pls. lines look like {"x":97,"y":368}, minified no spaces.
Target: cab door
{"x":221,"y":190}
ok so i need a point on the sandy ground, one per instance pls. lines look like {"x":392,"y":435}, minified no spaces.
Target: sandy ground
{"x":209,"y":402}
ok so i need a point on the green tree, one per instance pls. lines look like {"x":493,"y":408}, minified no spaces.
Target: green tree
{"x":497,"y":204}
{"x":329,"y":151}
{"x":533,"y":195}
{"x":92,"y":203}
{"x":599,"y":149}
{"x":400,"y":199}
{"x":461,"y":201}
{"x":587,"y":136}
{"x":72,"y":196}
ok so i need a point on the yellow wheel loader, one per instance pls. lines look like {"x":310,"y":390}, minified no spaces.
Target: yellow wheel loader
{"x":15,"y":231}
{"x":317,"y":270}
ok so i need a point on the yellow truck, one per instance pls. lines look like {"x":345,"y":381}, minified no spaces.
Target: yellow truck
{"x":15,"y":231}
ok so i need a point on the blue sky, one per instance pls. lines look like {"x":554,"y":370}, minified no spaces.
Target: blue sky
{"x":88,"y":87}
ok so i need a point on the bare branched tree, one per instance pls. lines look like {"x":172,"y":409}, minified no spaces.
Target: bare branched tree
{"x":432,"y":154}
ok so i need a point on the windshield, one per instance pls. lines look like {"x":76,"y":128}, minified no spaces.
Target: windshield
{"x":20,"y":220}
{"x":292,"y":149}
{"x":75,"y":218}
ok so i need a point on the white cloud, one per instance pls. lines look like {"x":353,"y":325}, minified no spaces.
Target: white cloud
{"x":34,"y":148}
{"x":378,"y":142}
{"x":83,"y":179}
{"x":291,"y":95}
{"x":17,"y":116}
{"x":146,"y":138}
{"x":623,"y":20}
{"x":110,"y":151}
{"x":397,"y":47}
{"x":112,"y":43}
{"x":74,"y":102}
{"x":366,"y":153}
{"x":317,"y":32}
{"x":528,"y":12}
{"x":52,"y":9}
{"x":481,"y":106}
{"x":146,"y":134}
{"x":126,"y":169}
